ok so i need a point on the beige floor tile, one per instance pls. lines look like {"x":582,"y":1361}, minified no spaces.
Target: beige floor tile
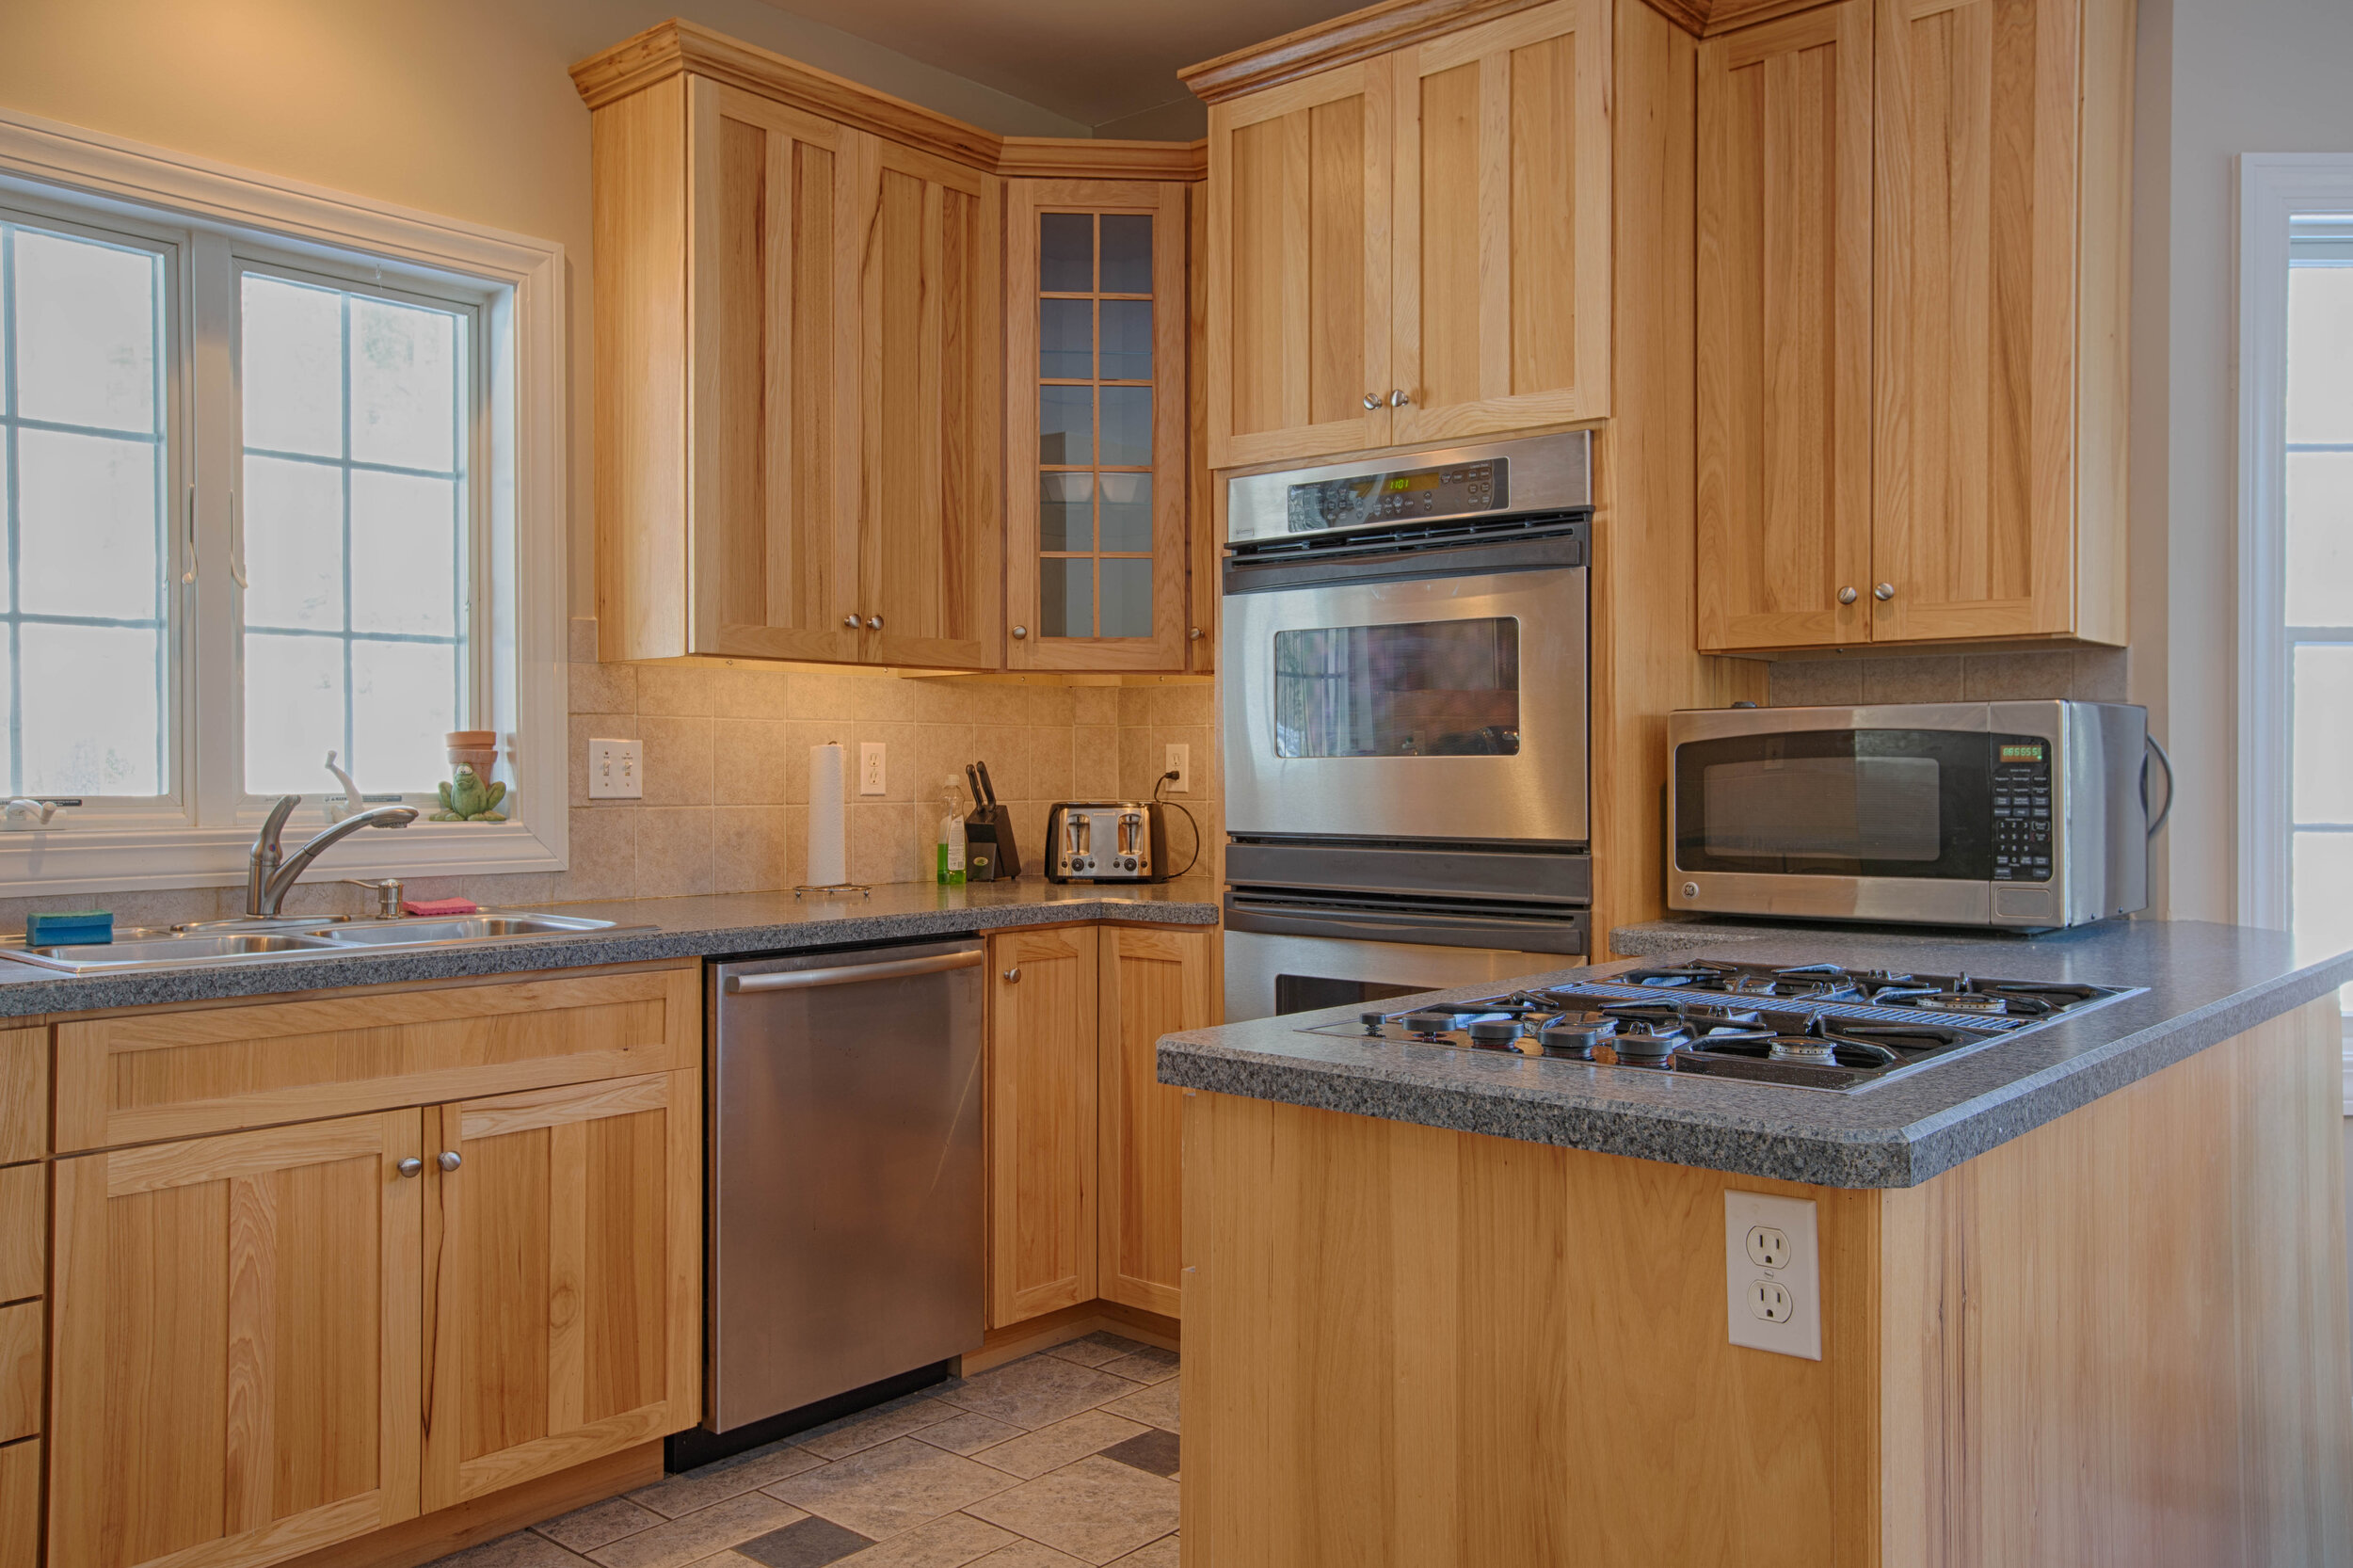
{"x":692,"y":1537}
{"x":949,"y":1543}
{"x":585,"y":1530}
{"x":1148,"y":1365}
{"x":1097,"y":1509}
{"x":1063,"y":1443}
{"x":520,"y":1550}
{"x":1029,"y":1554}
{"x":885,"y":1491}
{"x":1038,"y":1391}
{"x":1095,"y":1349}
{"x":723,"y":1479}
{"x":966,"y":1434}
{"x":871,"y":1429}
{"x":1160,"y":1554}
{"x":1155,"y":1406}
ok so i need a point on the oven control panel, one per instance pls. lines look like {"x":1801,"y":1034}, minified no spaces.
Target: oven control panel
{"x":1400,"y":496}
{"x":2021,"y":810}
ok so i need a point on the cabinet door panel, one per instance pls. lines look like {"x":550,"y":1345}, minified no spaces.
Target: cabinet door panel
{"x":1153,"y":983}
{"x":774,"y":357}
{"x":564,"y":1258}
{"x":1299,"y":268}
{"x":1784,"y":331}
{"x":1502,"y":208}
{"x":929,"y":514}
{"x":1041,"y":1122}
{"x":1974,"y":234}
{"x":235,"y":1367}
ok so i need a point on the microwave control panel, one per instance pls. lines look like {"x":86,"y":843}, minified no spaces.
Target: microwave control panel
{"x":2021,"y":810}
{"x":1405,"y":495}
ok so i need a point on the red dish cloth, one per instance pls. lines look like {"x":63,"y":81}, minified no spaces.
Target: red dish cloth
{"x":439,"y":907}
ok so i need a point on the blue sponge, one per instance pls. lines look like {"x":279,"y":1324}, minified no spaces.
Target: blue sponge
{"x":80,"y":928}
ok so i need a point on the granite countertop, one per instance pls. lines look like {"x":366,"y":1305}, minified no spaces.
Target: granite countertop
{"x":729,"y":925}
{"x":2204,"y":984}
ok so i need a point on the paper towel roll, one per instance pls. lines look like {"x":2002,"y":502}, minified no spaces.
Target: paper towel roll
{"x":828,"y":832}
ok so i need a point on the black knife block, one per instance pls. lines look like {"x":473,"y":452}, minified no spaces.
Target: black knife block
{"x":988,"y":837}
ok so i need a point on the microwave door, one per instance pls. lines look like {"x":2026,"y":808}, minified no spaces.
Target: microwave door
{"x":1450,"y":708}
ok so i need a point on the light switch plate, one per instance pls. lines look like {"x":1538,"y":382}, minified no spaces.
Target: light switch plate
{"x":869,"y":768}
{"x":1773,"y":1308}
{"x":616,"y":769}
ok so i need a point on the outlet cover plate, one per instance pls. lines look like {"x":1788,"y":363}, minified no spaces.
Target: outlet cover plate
{"x":1180,"y":763}
{"x":869,"y":768}
{"x":1794,"y":1219}
{"x":617,"y":770}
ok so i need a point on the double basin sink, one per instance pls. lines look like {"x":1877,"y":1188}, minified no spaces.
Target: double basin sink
{"x":241,"y":942}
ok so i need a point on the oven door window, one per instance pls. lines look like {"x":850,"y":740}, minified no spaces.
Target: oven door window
{"x":1446,"y":688}
{"x":1879,"y":803}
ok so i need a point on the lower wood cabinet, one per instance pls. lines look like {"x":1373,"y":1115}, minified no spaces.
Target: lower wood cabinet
{"x":19,"y":1504}
{"x":1083,"y":1144}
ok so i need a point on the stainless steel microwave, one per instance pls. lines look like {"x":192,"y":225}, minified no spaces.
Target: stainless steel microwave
{"x":2027,"y":815}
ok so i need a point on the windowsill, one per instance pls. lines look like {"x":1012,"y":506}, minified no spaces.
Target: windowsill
{"x":91,"y":857}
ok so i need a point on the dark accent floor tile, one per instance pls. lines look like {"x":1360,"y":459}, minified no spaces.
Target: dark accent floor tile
{"x":1154,"y":1450}
{"x":804,"y":1544}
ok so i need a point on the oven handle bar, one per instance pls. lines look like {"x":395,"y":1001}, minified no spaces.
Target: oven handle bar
{"x":1564,"y":934}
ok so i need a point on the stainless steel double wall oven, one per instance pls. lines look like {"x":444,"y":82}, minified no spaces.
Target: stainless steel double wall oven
{"x":1405,"y":727}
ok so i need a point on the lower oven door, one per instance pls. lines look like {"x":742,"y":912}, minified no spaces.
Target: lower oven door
{"x":1292,"y":958}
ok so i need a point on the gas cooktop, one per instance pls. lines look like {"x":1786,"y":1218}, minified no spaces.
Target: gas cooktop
{"x":1812,"y":1026}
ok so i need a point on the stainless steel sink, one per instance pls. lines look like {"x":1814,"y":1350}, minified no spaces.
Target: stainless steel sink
{"x":317,"y":938}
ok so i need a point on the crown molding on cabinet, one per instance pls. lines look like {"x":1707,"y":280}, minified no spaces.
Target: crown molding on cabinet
{"x":1396,"y":24}
{"x":676,"y":46}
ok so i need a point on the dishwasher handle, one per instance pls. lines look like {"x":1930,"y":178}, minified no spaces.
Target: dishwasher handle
{"x":850,"y":974}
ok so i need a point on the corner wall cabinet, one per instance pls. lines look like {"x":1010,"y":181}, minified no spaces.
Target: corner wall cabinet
{"x":1085,"y":1162}
{"x":1415,"y":247}
{"x":1912,"y":290}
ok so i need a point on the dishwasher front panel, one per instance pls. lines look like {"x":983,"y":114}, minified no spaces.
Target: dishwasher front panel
{"x":846,"y":1225}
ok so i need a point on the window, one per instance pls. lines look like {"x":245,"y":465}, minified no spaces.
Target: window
{"x":278,"y":477}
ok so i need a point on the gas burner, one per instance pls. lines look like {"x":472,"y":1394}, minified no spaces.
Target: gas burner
{"x":1803,"y":1051}
{"x":1701,"y":976}
{"x":1575,"y":1033}
{"x":1979,"y":1002}
{"x":1793,"y":985}
{"x":1915,"y":1039}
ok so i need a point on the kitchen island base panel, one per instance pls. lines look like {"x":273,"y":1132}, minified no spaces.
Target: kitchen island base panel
{"x":432,"y":1536}
{"x":2120,"y":1338}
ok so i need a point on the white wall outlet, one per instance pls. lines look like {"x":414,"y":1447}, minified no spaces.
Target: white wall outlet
{"x":1772,"y":1274}
{"x":869,"y":768}
{"x":1180,"y":763}
{"x":616,"y":769}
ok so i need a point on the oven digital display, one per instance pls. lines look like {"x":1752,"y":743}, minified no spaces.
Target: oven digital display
{"x":1401,"y":496}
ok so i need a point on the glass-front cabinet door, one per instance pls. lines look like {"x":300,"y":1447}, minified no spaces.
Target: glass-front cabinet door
{"x":1095,"y":398}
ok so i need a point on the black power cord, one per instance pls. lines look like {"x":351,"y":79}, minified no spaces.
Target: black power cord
{"x":1156,"y":789}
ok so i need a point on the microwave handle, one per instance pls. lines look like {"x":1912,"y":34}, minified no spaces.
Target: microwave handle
{"x":2167,"y":764}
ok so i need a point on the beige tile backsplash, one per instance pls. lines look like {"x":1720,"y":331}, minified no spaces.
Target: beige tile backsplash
{"x":2089,"y":675}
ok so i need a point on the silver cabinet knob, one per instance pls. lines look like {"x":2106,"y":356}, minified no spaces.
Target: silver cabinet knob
{"x":1196,"y":633}
{"x":1847,"y":596}
{"x":1884,"y":592}
{"x":874,"y":623}
{"x":1372,"y":401}
{"x":412,"y":1166}
{"x":1398,"y":398}
{"x":1020,"y":632}
{"x":850,"y":620}
{"x":1013,"y":975}
{"x":449,"y":1160}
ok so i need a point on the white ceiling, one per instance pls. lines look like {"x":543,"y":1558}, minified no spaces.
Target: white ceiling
{"x":1111,"y":64}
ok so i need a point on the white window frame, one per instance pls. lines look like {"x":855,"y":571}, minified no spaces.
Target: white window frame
{"x":232,"y":218}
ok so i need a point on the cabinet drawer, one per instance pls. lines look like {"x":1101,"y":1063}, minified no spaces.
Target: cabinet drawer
{"x":23,"y":1227}
{"x":20,"y":1505}
{"x":142,"y":1076}
{"x":19,"y":1370}
{"x":23,"y":1095}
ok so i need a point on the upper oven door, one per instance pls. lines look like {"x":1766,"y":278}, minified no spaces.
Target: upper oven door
{"x":1397,"y":706}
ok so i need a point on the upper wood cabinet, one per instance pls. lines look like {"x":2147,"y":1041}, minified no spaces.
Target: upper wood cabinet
{"x":1095,"y":398}
{"x":1414,"y":246}
{"x":1995,"y":226}
{"x":797,"y":416}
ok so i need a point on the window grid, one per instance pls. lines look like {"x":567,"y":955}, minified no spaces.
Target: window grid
{"x":11,"y":425}
{"x":458,"y":640}
{"x":1096,"y":469}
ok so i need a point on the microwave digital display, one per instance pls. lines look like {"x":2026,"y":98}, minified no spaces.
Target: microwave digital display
{"x":1400,"y":496}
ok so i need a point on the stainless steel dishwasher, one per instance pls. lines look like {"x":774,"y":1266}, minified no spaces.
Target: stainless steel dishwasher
{"x":845,"y":1191}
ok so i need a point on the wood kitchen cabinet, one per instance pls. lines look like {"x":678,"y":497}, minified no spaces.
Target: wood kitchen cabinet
{"x":1042,"y":1110}
{"x":1414,"y":246}
{"x":1095,"y":401}
{"x":1912,"y":288}
{"x":1154,"y":979}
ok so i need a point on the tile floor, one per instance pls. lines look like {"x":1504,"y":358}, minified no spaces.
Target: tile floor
{"x":1062,"y":1458}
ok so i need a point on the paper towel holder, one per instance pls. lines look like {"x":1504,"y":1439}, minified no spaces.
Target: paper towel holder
{"x":858,"y":887}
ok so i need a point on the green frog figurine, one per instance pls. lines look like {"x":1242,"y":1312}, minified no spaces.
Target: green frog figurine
{"x":467,"y":798}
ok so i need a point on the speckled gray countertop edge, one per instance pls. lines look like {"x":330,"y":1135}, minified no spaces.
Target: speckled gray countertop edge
{"x":26,"y":991}
{"x":1505,"y":1097}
